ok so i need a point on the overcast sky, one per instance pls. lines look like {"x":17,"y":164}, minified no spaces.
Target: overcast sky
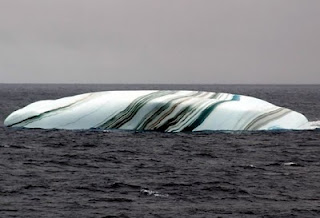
{"x":160,"y":41}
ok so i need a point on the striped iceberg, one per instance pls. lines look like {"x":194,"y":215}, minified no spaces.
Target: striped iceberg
{"x":167,"y":111}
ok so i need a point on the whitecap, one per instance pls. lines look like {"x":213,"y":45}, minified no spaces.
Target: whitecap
{"x":152,"y":193}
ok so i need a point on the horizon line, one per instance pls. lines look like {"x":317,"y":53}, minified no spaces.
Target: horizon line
{"x":80,"y":83}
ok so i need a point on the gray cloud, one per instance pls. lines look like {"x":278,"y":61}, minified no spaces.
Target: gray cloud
{"x":167,"y":41}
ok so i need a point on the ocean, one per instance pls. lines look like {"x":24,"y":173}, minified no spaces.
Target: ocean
{"x":89,"y":173}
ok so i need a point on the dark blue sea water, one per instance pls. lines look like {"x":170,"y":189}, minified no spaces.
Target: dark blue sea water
{"x":58,"y":173}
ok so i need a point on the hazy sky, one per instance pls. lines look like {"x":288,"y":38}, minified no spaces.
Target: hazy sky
{"x":160,"y":41}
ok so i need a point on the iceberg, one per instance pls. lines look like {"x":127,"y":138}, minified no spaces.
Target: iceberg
{"x":158,"y":110}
